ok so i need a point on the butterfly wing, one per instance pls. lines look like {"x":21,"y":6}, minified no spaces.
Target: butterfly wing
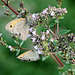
{"x":29,"y":56}
{"x":19,"y":28}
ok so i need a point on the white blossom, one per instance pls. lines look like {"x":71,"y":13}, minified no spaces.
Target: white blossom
{"x":66,"y":11}
{"x":23,"y":11}
{"x":28,"y":35}
{"x":39,"y":51}
{"x":31,"y":29}
{"x":47,"y":32}
{"x":36,"y":47}
{"x":9,"y":46}
{"x":11,"y":49}
{"x":37,"y":41}
{"x":0,"y":34}
{"x":33,"y":39}
{"x":43,"y":37}
{"x":45,"y":11}
{"x":33,"y":16}
{"x":52,"y":13}
{"x":51,"y":39}
{"x":34,"y":33}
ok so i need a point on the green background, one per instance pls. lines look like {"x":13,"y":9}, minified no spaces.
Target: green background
{"x":9,"y":65}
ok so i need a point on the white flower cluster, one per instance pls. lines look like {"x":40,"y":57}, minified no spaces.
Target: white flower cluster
{"x":48,"y":12}
{"x":36,"y":39}
{"x":10,"y":47}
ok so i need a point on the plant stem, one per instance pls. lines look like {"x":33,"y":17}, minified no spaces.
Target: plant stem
{"x":20,"y":48}
{"x":71,"y":72}
{"x":10,"y":7}
{"x":55,"y":60}
{"x":58,"y":60}
{"x":54,"y":54}
{"x":50,"y":31}
{"x":54,"y":28}
{"x":58,"y":27}
{"x":68,"y":72}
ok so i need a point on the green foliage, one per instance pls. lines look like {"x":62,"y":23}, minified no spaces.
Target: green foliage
{"x":51,"y":25}
{"x":66,"y":67}
{"x":21,"y":43}
{"x":40,"y":29}
{"x":63,"y":32}
{"x":55,"y":42}
{"x":18,"y":51}
{"x":44,"y":58}
{"x":56,"y":21}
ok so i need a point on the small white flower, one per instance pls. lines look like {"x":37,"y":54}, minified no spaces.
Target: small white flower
{"x":33,"y":16}
{"x":22,"y":11}
{"x":31,"y":24}
{"x":52,"y":13}
{"x":47,"y":32}
{"x":57,"y":47}
{"x":9,"y":46}
{"x":34,"y":33}
{"x":65,"y":10}
{"x":36,"y":47}
{"x":33,"y":39}
{"x":0,"y":34}
{"x":43,"y":37}
{"x":44,"y":11}
{"x":51,"y":39}
{"x":37,"y":15}
{"x":74,"y":38}
{"x":43,"y":33}
{"x":37,"y":41}
{"x":11,"y":49}
{"x":39,"y":51}
{"x":28,"y":35}
{"x":31,"y":29}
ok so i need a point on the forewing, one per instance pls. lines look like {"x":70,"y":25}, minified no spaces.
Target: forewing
{"x":29,"y":56}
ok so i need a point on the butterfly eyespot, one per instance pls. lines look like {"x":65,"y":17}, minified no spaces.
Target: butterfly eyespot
{"x":29,"y":60}
{"x":20,"y":57}
{"x":15,"y":34}
{"x":20,"y":34}
{"x":10,"y":26}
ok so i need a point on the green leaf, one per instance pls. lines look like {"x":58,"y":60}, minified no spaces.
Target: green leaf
{"x":66,"y":67}
{"x":16,"y":42}
{"x":55,"y":42}
{"x":21,"y":43}
{"x":73,"y":46}
{"x":3,"y":6}
{"x":59,"y":52}
{"x":61,"y":17}
{"x":18,"y":51}
{"x":13,"y":15}
{"x":63,"y":32}
{"x":51,"y":25}
{"x":8,"y":1}
{"x":56,"y":21}
{"x":44,"y":58}
{"x":40,"y":29}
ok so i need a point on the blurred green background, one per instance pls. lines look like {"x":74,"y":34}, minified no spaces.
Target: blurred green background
{"x":9,"y":65}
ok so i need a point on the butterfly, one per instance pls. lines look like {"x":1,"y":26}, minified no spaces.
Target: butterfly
{"x":31,"y":55}
{"x":19,"y":28}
